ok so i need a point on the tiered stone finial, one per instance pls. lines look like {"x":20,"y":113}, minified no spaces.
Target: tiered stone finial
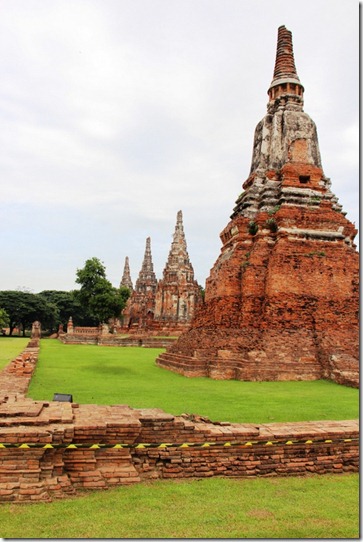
{"x":282,"y":299}
{"x":285,"y":63}
{"x":285,"y":79}
{"x":178,"y":292}
{"x":286,"y":150}
{"x":126,"y":276}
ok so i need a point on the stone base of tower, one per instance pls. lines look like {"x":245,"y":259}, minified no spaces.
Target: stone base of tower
{"x":250,"y":354}
{"x":278,"y":305}
{"x":245,"y":354}
{"x":291,"y":314}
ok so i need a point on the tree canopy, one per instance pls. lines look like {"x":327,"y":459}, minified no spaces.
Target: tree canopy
{"x":97,"y":301}
{"x":23,"y":308}
{"x":97,"y":296}
{"x":4,"y":318}
{"x":68,"y":305}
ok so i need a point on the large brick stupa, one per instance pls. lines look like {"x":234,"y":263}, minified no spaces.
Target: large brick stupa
{"x":281,"y":302}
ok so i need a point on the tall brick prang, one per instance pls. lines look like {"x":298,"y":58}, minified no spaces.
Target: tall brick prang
{"x":166,"y":306}
{"x":177,"y":293}
{"x":282,"y":300}
{"x":140,"y":307}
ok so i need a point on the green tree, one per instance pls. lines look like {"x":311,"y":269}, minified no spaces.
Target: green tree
{"x":97,"y":296}
{"x":68,"y":305}
{"x":23,"y":308}
{"x":4,"y":318}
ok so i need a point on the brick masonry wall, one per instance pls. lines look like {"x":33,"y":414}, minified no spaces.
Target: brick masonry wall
{"x":146,"y":340}
{"x":52,"y":449}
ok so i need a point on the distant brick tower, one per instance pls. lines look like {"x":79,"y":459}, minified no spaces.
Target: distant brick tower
{"x":177,"y":292}
{"x":126,"y":276}
{"x":124,"y":319}
{"x":281,"y":302}
{"x":141,"y":304}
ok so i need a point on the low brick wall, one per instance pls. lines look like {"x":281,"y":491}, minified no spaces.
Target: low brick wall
{"x":51,"y":449}
{"x":148,"y":341}
{"x":259,"y":459}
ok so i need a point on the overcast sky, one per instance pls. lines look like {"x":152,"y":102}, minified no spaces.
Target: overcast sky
{"x":115,"y":114}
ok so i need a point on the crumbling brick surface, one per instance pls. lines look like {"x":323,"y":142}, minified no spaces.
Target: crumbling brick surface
{"x":283,"y":307}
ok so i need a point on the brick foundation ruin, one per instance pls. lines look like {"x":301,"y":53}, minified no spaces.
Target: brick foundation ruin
{"x":51,"y":449}
{"x":282,"y":299}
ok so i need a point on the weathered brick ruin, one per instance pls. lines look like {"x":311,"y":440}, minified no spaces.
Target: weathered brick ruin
{"x":177,"y":292}
{"x":167,"y":305}
{"x":281,"y":302}
{"x":51,"y":449}
{"x":139,"y":311}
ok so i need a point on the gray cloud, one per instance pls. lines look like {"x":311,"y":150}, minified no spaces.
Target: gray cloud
{"x":115,"y":114}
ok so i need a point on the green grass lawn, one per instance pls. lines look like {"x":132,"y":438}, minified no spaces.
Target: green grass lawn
{"x":313,"y":507}
{"x":295,"y":507}
{"x":111,"y":375}
{"x":10,"y":347}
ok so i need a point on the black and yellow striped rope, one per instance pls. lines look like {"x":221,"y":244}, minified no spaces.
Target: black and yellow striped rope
{"x":163,"y":445}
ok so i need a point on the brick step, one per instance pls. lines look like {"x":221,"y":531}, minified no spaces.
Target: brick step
{"x":241,"y":370}
{"x":172,"y":358}
{"x":179,"y":357}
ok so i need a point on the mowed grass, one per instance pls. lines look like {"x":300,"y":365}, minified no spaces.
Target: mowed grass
{"x":313,"y":507}
{"x":282,"y":508}
{"x":111,"y":375}
{"x":10,"y":347}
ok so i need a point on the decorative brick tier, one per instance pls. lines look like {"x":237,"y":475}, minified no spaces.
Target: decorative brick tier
{"x":52,"y":449}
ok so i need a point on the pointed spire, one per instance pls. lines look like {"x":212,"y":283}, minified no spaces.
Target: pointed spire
{"x":126,"y":277}
{"x":178,"y":257}
{"x":177,"y":293}
{"x":285,"y":63}
{"x":179,"y":243}
{"x":147,"y":264}
{"x":179,"y":221}
{"x":285,"y":147}
{"x":285,"y":78}
{"x":147,"y":276}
